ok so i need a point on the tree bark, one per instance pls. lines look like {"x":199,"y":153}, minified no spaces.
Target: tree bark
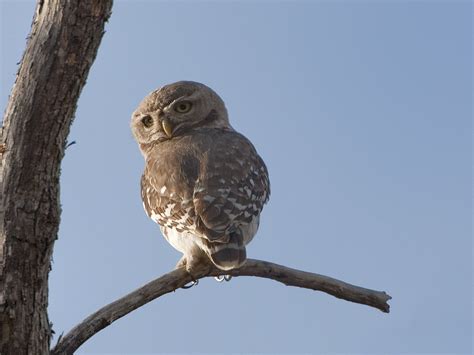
{"x":63,"y":43}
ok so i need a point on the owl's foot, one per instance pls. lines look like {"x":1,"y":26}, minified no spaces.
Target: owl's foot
{"x":181,"y":263}
{"x":193,"y":265}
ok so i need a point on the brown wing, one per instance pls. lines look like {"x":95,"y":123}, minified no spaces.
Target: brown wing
{"x":208,"y":184}
{"x":232,"y":187}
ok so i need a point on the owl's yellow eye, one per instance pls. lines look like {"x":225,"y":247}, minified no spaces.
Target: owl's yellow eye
{"x":183,"y":106}
{"x":147,"y":121}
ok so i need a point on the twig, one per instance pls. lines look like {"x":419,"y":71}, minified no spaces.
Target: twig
{"x":179,"y":277}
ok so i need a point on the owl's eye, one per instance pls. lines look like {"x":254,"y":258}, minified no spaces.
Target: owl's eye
{"x":183,"y":106}
{"x":147,"y":121}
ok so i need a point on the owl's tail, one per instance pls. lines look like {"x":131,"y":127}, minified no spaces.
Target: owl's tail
{"x":230,"y":255}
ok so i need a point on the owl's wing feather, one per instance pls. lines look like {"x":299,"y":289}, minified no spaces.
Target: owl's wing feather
{"x":232,"y":187}
{"x":167,"y":197}
{"x":209,"y":190}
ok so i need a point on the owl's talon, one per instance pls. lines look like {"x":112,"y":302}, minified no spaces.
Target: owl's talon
{"x":219,"y":278}
{"x":191,"y":284}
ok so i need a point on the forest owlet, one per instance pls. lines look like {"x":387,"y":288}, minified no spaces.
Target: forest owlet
{"x":204,"y":183}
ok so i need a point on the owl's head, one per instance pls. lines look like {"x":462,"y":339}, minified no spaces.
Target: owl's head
{"x":177,"y":109}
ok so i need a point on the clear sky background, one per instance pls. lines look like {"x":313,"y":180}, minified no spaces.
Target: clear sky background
{"x":362,"y":112}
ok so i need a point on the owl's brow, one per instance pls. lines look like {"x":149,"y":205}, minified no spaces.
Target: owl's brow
{"x":171,"y":102}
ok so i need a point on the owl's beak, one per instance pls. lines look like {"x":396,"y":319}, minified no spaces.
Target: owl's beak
{"x":167,"y":127}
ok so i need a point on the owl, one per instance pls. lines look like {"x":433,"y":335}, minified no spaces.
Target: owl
{"x":203,"y":182}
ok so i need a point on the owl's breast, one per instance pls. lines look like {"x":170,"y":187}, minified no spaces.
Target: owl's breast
{"x":168,"y":184}
{"x":175,"y":164}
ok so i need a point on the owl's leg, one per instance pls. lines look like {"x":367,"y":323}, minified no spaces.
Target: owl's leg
{"x":194,"y":262}
{"x":181,"y":263}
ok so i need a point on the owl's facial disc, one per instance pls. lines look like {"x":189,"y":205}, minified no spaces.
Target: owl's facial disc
{"x":177,"y":109}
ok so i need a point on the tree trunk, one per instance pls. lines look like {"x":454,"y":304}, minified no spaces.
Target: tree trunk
{"x":62,"y":46}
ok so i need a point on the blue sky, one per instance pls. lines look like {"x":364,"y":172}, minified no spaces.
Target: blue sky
{"x":362,"y":111}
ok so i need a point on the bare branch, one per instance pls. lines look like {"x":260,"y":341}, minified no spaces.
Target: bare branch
{"x":179,"y":277}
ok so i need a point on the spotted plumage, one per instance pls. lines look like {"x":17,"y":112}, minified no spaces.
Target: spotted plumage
{"x":204,"y":183}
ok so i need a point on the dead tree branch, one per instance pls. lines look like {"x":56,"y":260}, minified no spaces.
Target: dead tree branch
{"x":179,"y":278}
{"x":61,"y":47}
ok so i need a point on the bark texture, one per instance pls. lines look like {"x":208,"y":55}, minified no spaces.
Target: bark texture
{"x":179,"y":278}
{"x":64,"y":39}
